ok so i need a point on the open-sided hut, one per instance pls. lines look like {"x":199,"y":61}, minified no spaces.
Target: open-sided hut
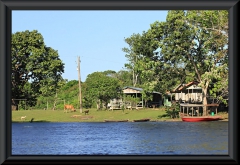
{"x":137,"y":93}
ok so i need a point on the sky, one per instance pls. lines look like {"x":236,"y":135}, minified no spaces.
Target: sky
{"x":97,"y":37}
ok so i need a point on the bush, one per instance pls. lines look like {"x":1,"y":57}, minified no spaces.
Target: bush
{"x":173,"y":110}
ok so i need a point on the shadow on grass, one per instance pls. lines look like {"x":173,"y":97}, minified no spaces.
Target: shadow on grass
{"x":162,"y":116}
{"x":39,"y":121}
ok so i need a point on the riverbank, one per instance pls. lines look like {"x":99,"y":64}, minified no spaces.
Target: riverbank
{"x":94,"y":115}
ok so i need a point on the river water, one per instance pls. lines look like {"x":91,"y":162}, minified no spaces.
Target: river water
{"x":120,"y":138}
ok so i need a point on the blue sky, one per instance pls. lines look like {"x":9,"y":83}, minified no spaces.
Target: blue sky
{"x":96,"y":36}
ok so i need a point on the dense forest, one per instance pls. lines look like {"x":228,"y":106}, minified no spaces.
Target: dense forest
{"x":188,"y":46}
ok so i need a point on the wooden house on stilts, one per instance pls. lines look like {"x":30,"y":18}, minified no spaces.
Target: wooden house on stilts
{"x":188,"y":93}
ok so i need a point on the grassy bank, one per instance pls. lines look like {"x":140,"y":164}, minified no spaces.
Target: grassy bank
{"x":93,"y":116}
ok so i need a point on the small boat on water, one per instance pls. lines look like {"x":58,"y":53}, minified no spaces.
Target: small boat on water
{"x":201,"y":118}
{"x":193,"y":112}
{"x":141,"y":120}
{"x":116,"y":120}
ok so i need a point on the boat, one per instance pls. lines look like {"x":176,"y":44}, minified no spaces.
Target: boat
{"x":200,"y":118}
{"x":116,"y":120}
{"x":141,"y":120}
{"x":194,"y":111}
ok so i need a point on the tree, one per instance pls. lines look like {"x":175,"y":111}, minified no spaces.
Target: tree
{"x":36,"y":68}
{"x":124,"y":77}
{"x":101,"y":88}
{"x":110,"y":73}
{"x":150,"y":70}
{"x":133,"y":56}
{"x":197,"y":42}
{"x":189,"y":46}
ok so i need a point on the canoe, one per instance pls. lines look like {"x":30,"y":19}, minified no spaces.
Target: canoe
{"x":201,"y":118}
{"x":116,"y":120}
{"x":141,"y":120}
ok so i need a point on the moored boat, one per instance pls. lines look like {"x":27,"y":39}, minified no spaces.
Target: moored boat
{"x":116,"y":120}
{"x":141,"y":120}
{"x":194,"y":112}
{"x":200,"y":118}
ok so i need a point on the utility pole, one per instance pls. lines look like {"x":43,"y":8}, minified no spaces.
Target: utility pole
{"x":79,"y":83}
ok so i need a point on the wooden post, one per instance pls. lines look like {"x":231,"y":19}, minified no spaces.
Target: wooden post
{"x":79,"y":83}
{"x":198,"y":111}
{"x":192,"y":111}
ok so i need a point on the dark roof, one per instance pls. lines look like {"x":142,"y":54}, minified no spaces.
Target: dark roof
{"x":138,"y":89}
{"x":135,"y":88}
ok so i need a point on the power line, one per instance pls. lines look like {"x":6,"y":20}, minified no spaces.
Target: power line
{"x":101,"y":59}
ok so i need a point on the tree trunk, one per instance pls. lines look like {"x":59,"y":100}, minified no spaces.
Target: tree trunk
{"x":54,"y":105}
{"x":204,"y":101}
{"x":98,"y":104}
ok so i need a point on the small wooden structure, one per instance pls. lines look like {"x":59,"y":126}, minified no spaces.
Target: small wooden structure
{"x":137,"y":93}
{"x":115,"y":104}
{"x":212,"y":108}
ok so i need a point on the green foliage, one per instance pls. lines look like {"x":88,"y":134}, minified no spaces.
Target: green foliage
{"x":132,"y":100}
{"x":101,"y":87}
{"x":172,"y":111}
{"x":125,"y":78}
{"x":69,"y":84}
{"x":36,"y":68}
{"x":189,"y":46}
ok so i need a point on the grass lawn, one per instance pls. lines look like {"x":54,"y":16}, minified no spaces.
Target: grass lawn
{"x":93,"y":116}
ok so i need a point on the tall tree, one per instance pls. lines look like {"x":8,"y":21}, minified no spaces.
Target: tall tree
{"x":101,"y":88}
{"x":152,"y":70}
{"x":198,"y":40}
{"x":133,"y":56}
{"x":34,"y":66}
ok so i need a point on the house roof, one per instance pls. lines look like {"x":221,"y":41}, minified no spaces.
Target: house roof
{"x":134,"y":88}
{"x":181,"y":87}
{"x":138,"y":89}
{"x":194,"y":87}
